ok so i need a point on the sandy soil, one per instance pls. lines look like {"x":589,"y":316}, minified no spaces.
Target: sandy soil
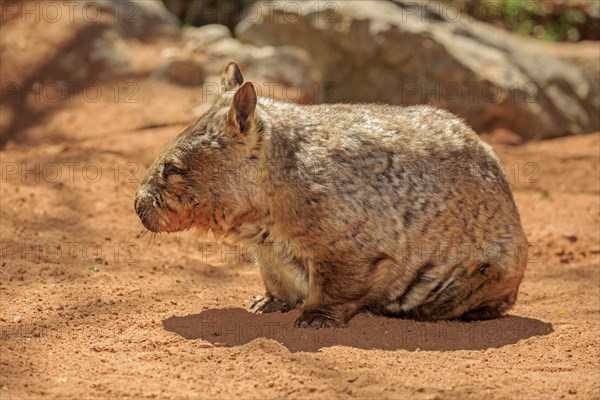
{"x":91,"y":308}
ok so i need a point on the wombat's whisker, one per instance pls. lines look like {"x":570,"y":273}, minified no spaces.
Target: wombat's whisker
{"x":152,"y":239}
{"x":128,"y":192}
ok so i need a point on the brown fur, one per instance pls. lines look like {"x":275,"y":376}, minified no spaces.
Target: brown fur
{"x":401,"y":211}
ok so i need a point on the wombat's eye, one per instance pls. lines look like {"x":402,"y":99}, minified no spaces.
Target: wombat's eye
{"x":170,"y":169}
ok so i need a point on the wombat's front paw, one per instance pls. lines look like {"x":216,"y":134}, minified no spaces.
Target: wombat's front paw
{"x":268,"y":304}
{"x":315,"y":320}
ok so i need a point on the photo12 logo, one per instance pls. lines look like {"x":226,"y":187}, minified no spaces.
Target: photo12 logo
{"x":69,"y":91}
{"x":70,"y":11}
{"x":69,"y":252}
{"x":68,"y":172}
{"x":470,"y":92}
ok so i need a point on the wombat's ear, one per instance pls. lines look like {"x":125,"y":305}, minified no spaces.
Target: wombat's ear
{"x":242,"y":109}
{"x":231,"y":77}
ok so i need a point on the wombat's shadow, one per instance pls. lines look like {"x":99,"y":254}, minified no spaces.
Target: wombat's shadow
{"x":234,"y":327}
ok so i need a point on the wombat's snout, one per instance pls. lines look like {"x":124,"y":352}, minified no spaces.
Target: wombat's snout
{"x":161,"y":211}
{"x":137,"y":205}
{"x":148,"y":207}
{"x":144,"y":204}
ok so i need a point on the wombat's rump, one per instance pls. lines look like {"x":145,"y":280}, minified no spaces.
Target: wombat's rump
{"x":398,"y":210}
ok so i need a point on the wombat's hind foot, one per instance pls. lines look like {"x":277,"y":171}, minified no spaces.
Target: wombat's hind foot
{"x":268,"y":304}
{"x":315,"y":319}
{"x":491,"y":309}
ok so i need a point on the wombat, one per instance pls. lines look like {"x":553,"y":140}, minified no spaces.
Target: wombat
{"x":399,"y":211}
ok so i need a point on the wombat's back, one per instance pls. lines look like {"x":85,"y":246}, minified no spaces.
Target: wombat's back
{"x":414,"y":187}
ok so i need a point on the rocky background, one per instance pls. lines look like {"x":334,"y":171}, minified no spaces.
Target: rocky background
{"x":502,"y":75}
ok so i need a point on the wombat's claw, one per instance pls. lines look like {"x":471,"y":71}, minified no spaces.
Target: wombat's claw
{"x":314,"y":320}
{"x":268,"y":304}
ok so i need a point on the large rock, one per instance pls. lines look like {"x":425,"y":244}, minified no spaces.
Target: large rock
{"x":584,"y":54}
{"x":404,"y":52}
{"x":50,"y":51}
{"x":134,"y":17}
{"x":183,"y":72}
{"x":100,"y":53}
{"x":282,"y":72}
{"x":201,"y":37}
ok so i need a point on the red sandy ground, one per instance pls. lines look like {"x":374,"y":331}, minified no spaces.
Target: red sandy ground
{"x":89,"y":309}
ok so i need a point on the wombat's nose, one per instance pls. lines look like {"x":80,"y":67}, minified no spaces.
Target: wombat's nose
{"x":144,"y":209}
{"x":138,"y":206}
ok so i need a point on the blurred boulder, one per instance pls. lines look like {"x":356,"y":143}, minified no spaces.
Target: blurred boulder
{"x":201,"y":37}
{"x":407,"y":52}
{"x":136,"y":17}
{"x":110,"y":52}
{"x":584,"y":54}
{"x":182,"y":72}
{"x":283,"y":72}
{"x":78,"y":43}
{"x":100,"y":53}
